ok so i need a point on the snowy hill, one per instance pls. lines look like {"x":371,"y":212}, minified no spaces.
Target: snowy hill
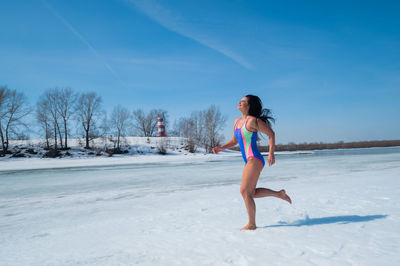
{"x":30,"y":154}
{"x":101,"y":147}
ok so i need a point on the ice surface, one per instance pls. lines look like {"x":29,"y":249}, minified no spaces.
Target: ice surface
{"x":187,"y":210}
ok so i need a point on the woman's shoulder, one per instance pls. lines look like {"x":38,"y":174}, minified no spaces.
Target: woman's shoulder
{"x":236,"y":121}
{"x":250,"y":117}
{"x":255,"y":119}
{"x":251,"y":123}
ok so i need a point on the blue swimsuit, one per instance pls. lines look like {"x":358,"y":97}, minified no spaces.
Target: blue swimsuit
{"x":248,"y":142}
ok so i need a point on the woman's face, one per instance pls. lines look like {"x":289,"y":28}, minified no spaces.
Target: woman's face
{"x":243,"y":105}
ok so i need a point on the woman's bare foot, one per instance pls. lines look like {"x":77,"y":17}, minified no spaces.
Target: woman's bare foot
{"x":284,"y":196}
{"x":249,"y":227}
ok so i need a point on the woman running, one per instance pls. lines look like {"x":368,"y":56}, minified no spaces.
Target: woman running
{"x":254,"y":118}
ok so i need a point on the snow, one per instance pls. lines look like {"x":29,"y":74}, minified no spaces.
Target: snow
{"x":131,"y":145}
{"x":139,"y":150}
{"x":187,"y":210}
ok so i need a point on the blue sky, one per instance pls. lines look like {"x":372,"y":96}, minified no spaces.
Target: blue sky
{"x":329,"y":70}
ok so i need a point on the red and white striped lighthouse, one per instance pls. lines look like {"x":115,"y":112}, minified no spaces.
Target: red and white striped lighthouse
{"x":161,"y":127}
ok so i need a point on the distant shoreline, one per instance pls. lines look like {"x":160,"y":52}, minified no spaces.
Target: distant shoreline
{"x":330,"y":146}
{"x":136,"y":146}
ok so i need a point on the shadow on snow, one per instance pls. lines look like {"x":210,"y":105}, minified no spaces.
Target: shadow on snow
{"x":329,"y":220}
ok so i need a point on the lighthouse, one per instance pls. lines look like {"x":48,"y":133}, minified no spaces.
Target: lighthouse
{"x":161,"y":127}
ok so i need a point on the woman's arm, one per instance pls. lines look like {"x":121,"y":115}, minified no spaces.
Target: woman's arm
{"x":264,"y":128}
{"x":227,"y":145}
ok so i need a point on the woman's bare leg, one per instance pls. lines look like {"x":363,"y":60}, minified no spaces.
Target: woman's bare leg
{"x":251,"y":173}
{"x":266,"y":192}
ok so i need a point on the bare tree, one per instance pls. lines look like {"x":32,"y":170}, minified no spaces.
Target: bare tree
{"x":198,"y":120}
{"x":119,"y":122}
{"x":202,"y":128}
{"x":104,"y":126}
{"x":66,"y":99}
{"x":214,"y":121}
{"x":88,"y":112}
{"x":146,"y":125}
{"x":192,"y":129}
{"x":140,"y":123}
{"x":44,"y":119}
{"x":13,"y":108}
{"x":4,"y":95}
{"x":49,"y":103}
{"x":175,"y":131}
{"x":185,"y":128}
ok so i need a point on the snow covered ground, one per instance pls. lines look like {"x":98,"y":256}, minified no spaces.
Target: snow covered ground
{"x":187,"y":210}
{"x":35,"y":148}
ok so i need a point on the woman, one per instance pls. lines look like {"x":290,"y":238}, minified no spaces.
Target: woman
{"x":253,"y":119}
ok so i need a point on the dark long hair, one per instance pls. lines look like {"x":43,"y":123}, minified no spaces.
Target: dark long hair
{"x":256,"y":109}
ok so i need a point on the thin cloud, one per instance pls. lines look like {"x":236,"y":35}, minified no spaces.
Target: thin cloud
{"x":175,"y":23}
{"x":80,"y":37}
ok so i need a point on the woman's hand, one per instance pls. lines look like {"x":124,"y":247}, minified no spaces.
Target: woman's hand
{"x":217,"y":149}
{"x":271,"y":159}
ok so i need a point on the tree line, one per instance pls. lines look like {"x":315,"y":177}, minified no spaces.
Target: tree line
{"x":60,"y":110}
{"x":201,"y":128}
{"x":291,"y":146}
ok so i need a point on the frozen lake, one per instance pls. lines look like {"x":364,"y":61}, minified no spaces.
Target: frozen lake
{"x":183,"y":212}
